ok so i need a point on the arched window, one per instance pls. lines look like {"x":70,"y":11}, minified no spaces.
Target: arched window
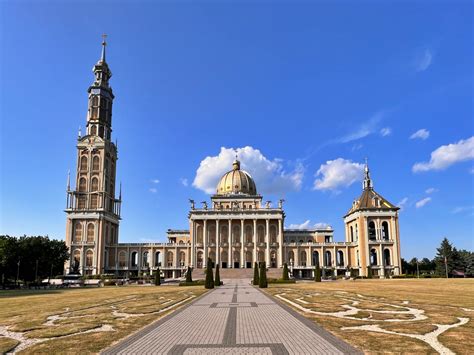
{"x":327,"y":259}
{"x":77,"y":232}
{"x":89,"y":258}
{"x":340,"y":258}
{"x":373,"y":257}
{"x":224,"y":258}
{"x":261,"y":256}
{"x":386,"y":257}
{"x":199,"y":234}
{"x":357,"y":233}
{"x":134,"y":259}
{"x":93,"y":130}
{"x":122,"y":259}
{"x":273,"y":234}
{"x":96,"y":163}
{"x":236,"y":234}
{"x":371,"y":230}
{"x":94,"y":201}
{"x":182,"y":258}
{"x":261,"y":234}
{"x":385,"y":233}
{"x":352,"y":234}
{"x":157,"y":258}
{"x":169,"y":258}
{"x":315,"y":258}
{"x":83,"y":163}
{"x":95,"y":184}
{"x":90,"y":232}
{"x":291,"y":256}
{"x":145,"y":262}
{"x":248,"y":258}
{"x":82,"y":184}
{"x":95,"y":100}
{"x":212,"y":235}
{"x":77,"y":256}
{"x":273,"y":258}
{"x":303,"y":258}
{"x":224,"y":234}
{"x":81,"y":202}
{"x":248,"y":234}
{"x":301,"y":241}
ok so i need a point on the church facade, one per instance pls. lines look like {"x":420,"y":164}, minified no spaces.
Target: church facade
{"x":235,"y":229}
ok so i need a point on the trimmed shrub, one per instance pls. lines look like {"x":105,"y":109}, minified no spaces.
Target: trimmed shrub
{"x":217,"y":281}
{"x":193,"y":283}
{"x":317,"y":274}
{"x":369,"y":272}
{"x":189,"y":277}
{"x":157,"y":279}
{"x":280,"y":281}
{"x":285,"y":272}
{"x":209,"y":275}
{"x":256,"y":278}
{"x":263,"y":276}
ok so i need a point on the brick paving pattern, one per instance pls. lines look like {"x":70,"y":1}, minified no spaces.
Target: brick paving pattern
{"x":233,"y":319}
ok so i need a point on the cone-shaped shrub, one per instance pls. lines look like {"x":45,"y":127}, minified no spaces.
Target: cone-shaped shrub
{"x":209,"y":276}
{"x":189,"y":277}
{"x":263,"y":276}
{"x":317,"y":274}
{"x":255,"y":274}
{"x":157,"y":277}
{"x":217,"y":281}
{"x":285,"y":272}
{"x":369,"y":272}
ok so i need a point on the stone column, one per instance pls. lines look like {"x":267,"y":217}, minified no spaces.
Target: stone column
{"x":255,"y":240}
{"x":280,"y":244}
{"x":229,"y":239}
{"x":218,"y":244}
{"x":204,"y":237}
{"x":242,"y":261}
{"x":380,"y":261}
{"x":193,"y":243}
{"x":267,"y":243}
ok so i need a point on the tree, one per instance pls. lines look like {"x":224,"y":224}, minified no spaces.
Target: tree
{"x":217,"y":281}
{"x":209,"y":276}
{"x":189,"y":277}
{"x":255,"y":275}
{"x":470,"y":265}
{"x":445,"y":258}
{"x":263,"y":276}
{"x":317,"y":273}
{"x":285,"y":272}
{"x":157,"y":277}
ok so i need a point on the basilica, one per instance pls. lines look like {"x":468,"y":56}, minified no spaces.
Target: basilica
{"x":234,"y":230}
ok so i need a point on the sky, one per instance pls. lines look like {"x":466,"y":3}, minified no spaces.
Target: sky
{"x":303,"y":92}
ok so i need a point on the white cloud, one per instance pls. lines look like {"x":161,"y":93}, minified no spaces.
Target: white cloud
{"x":357,"y":147}
{"x":307,"y":225}
{"x":421,"y":134}
{"x":462,"y":209}
{"x":423,"y":60}
{"x":269,"y":175}
{"x":402,"y":203}
{"x":153,"y":190}
{"x":337,"y":174}
{"x":431,"y":190}
{"x":422,"y":202}
{"x":155,"y":181}
{"x":368,"y":127}
{"x":447,"y":155}
{"x":471,"y":171}
{"x":184,"y":181}
{"x":386,"y":131}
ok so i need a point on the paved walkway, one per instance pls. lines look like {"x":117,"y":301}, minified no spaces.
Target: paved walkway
{"x":233,"y":319}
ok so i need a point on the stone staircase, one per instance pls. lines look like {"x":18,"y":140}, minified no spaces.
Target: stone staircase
{"x":273,"y":273}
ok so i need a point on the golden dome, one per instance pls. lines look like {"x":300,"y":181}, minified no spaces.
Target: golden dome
{"x":236,"y":182}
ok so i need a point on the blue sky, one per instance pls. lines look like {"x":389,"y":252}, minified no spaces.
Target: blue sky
{"x":303,"y":91}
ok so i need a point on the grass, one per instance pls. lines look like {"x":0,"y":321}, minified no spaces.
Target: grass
{"x":125,"y":309}
{"x":441,"y":300}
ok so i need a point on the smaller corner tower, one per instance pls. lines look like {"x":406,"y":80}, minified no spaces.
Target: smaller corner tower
{"x":92,"y":208}
{"x":371,"y":226}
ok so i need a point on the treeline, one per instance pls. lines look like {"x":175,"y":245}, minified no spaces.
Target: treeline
{"x":457,"y":263}
{"x":30,"y":259}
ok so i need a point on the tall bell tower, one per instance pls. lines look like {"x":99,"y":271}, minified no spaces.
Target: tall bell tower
{"x":93,"y":211}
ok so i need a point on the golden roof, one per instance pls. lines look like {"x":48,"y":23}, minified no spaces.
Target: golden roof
{"x":236,"y":182}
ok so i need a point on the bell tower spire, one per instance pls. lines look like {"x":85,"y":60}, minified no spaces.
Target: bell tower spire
{"x":368,"y":185}
{"x":99,"y":115}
